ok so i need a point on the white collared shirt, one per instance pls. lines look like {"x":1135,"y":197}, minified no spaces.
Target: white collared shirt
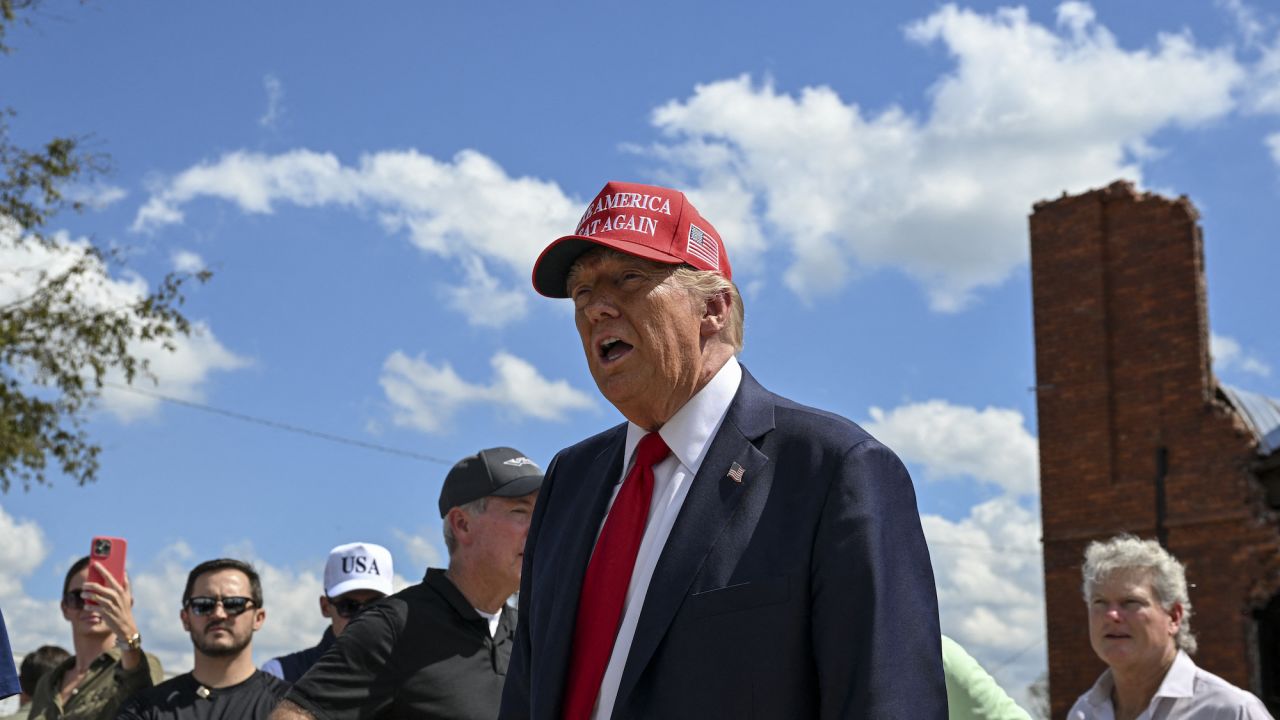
{"x":688,"y":433}
{"x":1186,"y":693}
{"x":491,"y":618}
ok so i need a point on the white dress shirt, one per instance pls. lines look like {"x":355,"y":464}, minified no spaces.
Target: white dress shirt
{"x":688,"y":433}
{"x":491,"y":618}
{"x":1186,"y":693}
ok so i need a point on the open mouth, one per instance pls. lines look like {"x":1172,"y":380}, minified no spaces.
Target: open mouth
{"x":612,"y":349}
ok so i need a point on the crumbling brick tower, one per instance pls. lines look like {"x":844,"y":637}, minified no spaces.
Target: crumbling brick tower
{"x":1135,"y":434}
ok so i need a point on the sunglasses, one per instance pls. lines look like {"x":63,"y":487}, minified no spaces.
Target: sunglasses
{"x":73,"y":599}
{"x":348,"y":608}
{"x":201,"y":606}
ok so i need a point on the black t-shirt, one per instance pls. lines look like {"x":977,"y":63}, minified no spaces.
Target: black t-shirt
{"x":183,"y":698}
{"x":421,"y":653}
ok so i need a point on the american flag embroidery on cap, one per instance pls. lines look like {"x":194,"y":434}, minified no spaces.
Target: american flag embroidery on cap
{"x":704,"y":246}
{"x":736,"y":472}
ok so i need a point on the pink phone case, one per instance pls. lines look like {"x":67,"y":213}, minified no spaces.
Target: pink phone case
{"x":109,"y":553}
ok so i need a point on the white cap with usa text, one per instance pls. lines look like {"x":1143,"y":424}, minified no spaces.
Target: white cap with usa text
{"x":358,"y":566}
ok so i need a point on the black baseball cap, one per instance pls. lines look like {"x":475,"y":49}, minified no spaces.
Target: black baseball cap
{"x":500,"y":471}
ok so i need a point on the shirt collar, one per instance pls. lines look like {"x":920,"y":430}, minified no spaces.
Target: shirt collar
{"x":688,"y":433}
{"x":1180,"y":681}
{"x":1100,"y":694}
{"x":437,"y":580}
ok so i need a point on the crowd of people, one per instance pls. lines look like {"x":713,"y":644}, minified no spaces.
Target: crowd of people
{"x":724,"y":553}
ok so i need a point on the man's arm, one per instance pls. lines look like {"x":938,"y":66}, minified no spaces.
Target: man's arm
{"x":875,"y":630}
{"x":290,"y":711}
{"x":971,"y":691}
{"x":355,"y":678}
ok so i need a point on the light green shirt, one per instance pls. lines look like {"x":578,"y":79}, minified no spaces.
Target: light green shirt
{"x":99,"y":695}
{"x":972,"y":694}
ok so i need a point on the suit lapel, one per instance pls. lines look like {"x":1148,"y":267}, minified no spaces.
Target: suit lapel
{"x":712,"y":500}
{"x":579,"y":521}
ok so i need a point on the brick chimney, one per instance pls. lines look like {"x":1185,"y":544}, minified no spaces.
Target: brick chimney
{"x":1133,"y":435}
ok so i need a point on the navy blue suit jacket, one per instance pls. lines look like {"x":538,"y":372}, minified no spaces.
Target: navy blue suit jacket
{"x":803,"y":591}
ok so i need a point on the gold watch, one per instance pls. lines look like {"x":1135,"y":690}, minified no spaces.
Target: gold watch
{"x":133,"y":642}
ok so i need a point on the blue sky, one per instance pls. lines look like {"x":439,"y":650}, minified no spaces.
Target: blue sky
{"x":370,"y":190}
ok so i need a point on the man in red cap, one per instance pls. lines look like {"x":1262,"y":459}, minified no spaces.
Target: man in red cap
{"x":726,"y":552}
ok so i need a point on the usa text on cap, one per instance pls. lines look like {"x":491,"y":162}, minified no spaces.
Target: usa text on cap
{"x":358,"y":566}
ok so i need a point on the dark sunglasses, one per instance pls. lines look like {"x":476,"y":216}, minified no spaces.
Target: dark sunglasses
{"x":348,"y":608}
{"x":233,"y":606}
{"x":73,"y":599}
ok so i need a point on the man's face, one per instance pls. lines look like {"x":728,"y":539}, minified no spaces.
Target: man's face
{"x":642,"y":335}
{"x":497,"y":538}
{"x":333,"y":608}
{"x":1128,"y":627}
{"x":86,"y":620}
{"x":219,"y":633}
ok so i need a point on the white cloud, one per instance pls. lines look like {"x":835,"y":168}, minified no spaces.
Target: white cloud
{"x":988,"y":572}
{"x":96,"y":196}
{"x":991,"y":445}
{"x":1250,"y":26}
{"x":1076,"y":16}
{"x":275,"y":101}
{"x":1229,"y":355}
{"x":466,"y":210}
{"x":990,"y":560}
{"x":482,"y":299}
{"x":1027,"y":112}
{"x":187,"y":261}
{"x":466,"y":207}
{"x":1262,"y":92}
{"x":987,"y":565}
{"x":30,"y":622}
{"x":180,"y":373}
{"x":1273,"y":143}
{"x":22,"y":548}
{"x":425,"y":396}
{"x":424,"y":551}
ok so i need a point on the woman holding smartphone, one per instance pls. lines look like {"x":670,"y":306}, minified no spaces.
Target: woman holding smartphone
{"x":109,"y":665}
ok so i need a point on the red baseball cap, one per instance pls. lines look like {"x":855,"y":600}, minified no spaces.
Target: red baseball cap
{"x":650,"y":222}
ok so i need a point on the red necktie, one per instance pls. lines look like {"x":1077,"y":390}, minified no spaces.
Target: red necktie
{"x":604,"y":588}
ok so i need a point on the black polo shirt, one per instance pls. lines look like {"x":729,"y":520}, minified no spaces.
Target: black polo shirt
{"x":421,"y":653}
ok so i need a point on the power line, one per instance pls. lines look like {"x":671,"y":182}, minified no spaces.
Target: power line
{"x":330,"y":437}
{"x":1015,"y":656}
{"x":287,"y":427}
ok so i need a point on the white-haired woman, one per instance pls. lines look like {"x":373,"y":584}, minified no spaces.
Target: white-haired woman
{"x":1140,"y":626}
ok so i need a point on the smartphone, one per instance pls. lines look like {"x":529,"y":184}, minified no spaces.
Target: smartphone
{"x":109,"y":553}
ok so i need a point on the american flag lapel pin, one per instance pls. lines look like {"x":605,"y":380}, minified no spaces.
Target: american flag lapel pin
{"x":736,"y":472}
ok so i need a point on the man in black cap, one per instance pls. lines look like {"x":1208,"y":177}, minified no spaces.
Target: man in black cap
{"x":439,"y":648}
